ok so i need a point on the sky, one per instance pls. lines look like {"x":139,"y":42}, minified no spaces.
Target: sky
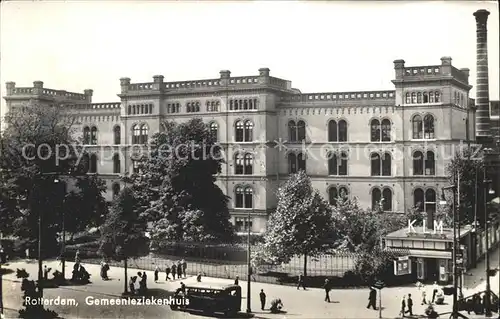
{"x":319,"y":46}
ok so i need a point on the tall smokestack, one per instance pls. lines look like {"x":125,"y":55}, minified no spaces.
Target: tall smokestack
{"x":482,"y":89}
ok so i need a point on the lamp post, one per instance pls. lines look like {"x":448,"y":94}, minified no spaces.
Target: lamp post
{"x":249,"y":266}
{"x":487,"y":297}
{"x":443,"y":201}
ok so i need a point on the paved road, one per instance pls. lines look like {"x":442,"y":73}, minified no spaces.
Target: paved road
{"x":346,"y":303}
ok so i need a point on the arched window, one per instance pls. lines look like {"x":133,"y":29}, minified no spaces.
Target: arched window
{"x":431,"y":97}
{"x":85,"y":163}
{"x":238,"y":134}
{"x":116,"y":164}
{"x":414,"y":98}
{"x":136,"y":134}
{"x":376,"y":197}
{"x":337,"y":164}
{"x":144,"y":134}
{"x":214,"y":131}
{"x":430,"y":164}
{"x":419,"y":97}
{"x":430,"y":201}
{"x":426,"y":97}
{"x":117,"y":134}
{"x":417,"y":126}
{"x":93,"y":164}
{"x":116,"y":189}
{"x":248,"y":164}
{"x":238,"y":164}
{"x":244,"y":197}
{"x":418,"y":163}
{"x":408,"y":98}
{"x":93,"y":135}
{"x":375,"y":164}
{"x":296,"y":162}
{"x":248,"y":131}
{"x":86,"y":135}
{"x":419,"y":199}
{"x":387,"y":200}
{"x":386,"y":130}
{"x":135,"y":167}
{"x":437,"y":96}
{"x":428,"y":127}
{"x":342,"y":131}
{"x":130,"y":110}
{"x":375,"y":131}
{"x":334,"y":193}
{"x":332,"y":131}
{"x":301,"y":131}
{"x":292,"y":131}
{"x":386,"y":164}
{"x":381,"y":165}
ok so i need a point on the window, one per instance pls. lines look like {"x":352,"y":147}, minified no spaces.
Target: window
{"x":337,"y":132}
{"x":85,"y":163}
{"x":428,"y":127}
{"x":430,"y":164}
{"x":117,"y":135}
{"x":243,"y":164}
{"x":426,"y":97}
{"x":244,"y":197}
{"x":86,"y":135}
{"x":437,"y":96}
{"x":296,"y":162}
{"x":242,"y":224}
{"x":116,"y":164}
{"x":408,"y":98}
{"x":239,"y":131}
{"x":93,"y":135}
{"x":417,"y":126}
{"x":301,"y":131}
{"x":386,"y":130}
{"x":414,"y":98}
{"x":135,"y":167}
{"x":381,"y":165}
{"x":337,"y":164}
{"x":116,"y":189}
{"x":419,"y":97}
{"x":375,"y":131}
{"x":292,"y":131}
{"x":214,"y":131}
{"x":431,"y":97}
{"x":382,"y":199}
{"x":425,"y":202}
{"x":144,"y":134}
{"x":418,"y":163}
{"x":248,"y":131}
{"x":93,"y":164}
{"x":334,"y":193}
{"x":136,"y":134}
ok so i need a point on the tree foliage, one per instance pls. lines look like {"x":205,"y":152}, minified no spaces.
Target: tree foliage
{"x":301,"y":225}
{"x":123,"y":234}
{"x":38,"y":148}
{"x":178,"y":189}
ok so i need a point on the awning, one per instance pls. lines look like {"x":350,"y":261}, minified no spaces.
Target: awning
{"x":438,"y":254}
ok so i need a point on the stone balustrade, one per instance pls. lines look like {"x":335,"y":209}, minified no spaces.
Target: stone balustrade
{"x":339,"y":96}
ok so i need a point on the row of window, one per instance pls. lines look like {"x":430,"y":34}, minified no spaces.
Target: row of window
{"x":140,"y":109}
{"x":381,"y":198}
{"x":380,"y":131}
{"x":243,"y":104}
{"x":423,"y":97}
{"x":192,"y":107}
{"x":459,"y":99}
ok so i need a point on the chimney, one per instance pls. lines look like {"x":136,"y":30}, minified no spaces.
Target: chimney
{"x":482,"y":92}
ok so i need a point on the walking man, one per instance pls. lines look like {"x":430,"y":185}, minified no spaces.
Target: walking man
{"x":157,"y":271}
{"x":237,"y":281}
{"x":409,"y":304}
{"x":372,"y":299}
{"x":167,"y":273}
{"x":262,"y":296}
{"x":300,"y":282}
{"x":327,"y":288}
{"x":403,"y":307}
{"x":435,"y":289}
{"x":424,"y":301}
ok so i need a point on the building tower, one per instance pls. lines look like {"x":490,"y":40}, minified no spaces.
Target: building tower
{"x":483,"y":132}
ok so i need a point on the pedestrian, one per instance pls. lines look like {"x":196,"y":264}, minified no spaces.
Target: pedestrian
{"x":403,"y":307}
{"x":145,"y":279}
{"x":409,"y":304}
{"x":131,"y":285}
{"x":167,"y":273}
{"x":157,"y":271}
{"x":77,"y":257}
{"x":424,"y":300}
{"x":435,"y":289}
{"x":262,"y":296}
{"x":184,"y":268}
{"x":300,"y":282}
{"x":179,"y":269}
{"x":327,"y":288}
{"x":372,"y":299}
{"x":46,"y":272}
{"x":174,"y":271}
{"x":198,"y":278}
{"x":237,"y":281}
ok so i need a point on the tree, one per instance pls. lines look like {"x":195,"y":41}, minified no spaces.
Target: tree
{"x":123,"y":234}
{"x":177,"y":186}
{"x":471,"y":169}
{"x":302,"y":223}
{"x":39,"y":146}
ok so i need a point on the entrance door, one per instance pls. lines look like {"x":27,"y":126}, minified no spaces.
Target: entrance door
{"x":420,"y":269}
{"x":431,"y":269}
